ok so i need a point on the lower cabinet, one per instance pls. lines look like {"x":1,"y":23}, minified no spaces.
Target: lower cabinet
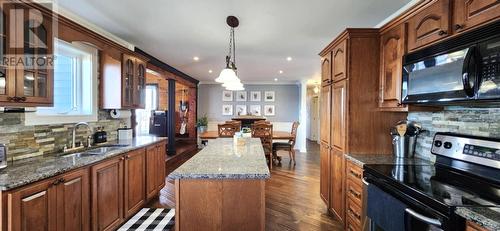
{"x":59,"y":203}
{"x":354,"y":197}
{"x":135,"y":181}
{"x":337,"y":195}
{"x":156,"y":171}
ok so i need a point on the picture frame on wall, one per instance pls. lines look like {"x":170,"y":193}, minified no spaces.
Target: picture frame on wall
{"x":269,"y":96}
{"x":255,"y":110}
{"x":269,"y":110}
{"x":241,"y":110}
{"x":227,"y":110}
{"x":241,"y":96}
{"x":227,"y":96}
{"x":255,"y":96}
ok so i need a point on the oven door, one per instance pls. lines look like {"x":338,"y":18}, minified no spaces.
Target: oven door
{"x":439,"y":79}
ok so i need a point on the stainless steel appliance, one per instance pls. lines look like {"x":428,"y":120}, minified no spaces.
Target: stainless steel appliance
{"x":3,"y":156}
{"x":462,"y":69}
{"x":466,"y":174}
{"x":404,"y":138}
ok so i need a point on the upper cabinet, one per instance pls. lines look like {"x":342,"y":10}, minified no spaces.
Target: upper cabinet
{"x":128,"y":70}
{"x":326,"y":69}
{"x":32,"y":83}
{"x":429,"y":25}
{"x":468,"y":14}
{"x":339,"y":56}
{"x":392,"y":49}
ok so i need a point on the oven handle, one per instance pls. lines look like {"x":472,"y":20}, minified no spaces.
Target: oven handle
{"x":468,"y":70}
{"x":423,"y":218}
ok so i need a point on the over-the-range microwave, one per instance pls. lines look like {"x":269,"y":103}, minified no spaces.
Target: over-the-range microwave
{"x":460,"y":71}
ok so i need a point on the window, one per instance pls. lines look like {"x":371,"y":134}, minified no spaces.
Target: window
{"x":144,"y":115}
{"x":75,"y":86}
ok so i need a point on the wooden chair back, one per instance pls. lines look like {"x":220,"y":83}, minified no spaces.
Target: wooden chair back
{"x":226,"y":130}
{"x":295,"y":126}
{"x":262,"y":122}
{"x":236,"y":123}
{"x":265,"y":133}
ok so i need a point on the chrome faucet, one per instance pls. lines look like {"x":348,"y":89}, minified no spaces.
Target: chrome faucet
{"x":73,"y":144}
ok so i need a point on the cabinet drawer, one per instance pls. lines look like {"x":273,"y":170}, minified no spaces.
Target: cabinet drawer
{"x":354,"y":192}
{"x":353,"y":211}
{"x":351,"y":225}
{"x":354,"y":172}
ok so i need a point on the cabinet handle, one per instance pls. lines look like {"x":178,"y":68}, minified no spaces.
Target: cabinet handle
{"x":354,"y":214}
{"x":58,"y":181}
{"x":354,"y":173}
{"x":11,"y":98}
{"x":22,"y":99}
{"x":458,"y":26}
{"x":442,"y":32}
{"x":354,"y":193}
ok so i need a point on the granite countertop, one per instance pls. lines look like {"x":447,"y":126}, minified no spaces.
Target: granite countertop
{"x":486,"y":217}
{"x":22,"y":172}
{"x":361,"y":159}
{"x":222,"y":160}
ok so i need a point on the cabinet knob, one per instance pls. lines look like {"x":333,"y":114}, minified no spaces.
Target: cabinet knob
{"x":459,"y":26}
{"x":22,"y":99}
{"x":442,"y":32}
{"x":11,"y":98}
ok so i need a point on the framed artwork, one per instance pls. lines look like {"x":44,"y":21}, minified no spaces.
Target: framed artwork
{"x":269,"y":96}
{"x":269,"y":110}
{"x":241,"y":96}
{"x":241,"y":110}
{"x":227,"y":110}
{"x":255,"y":96}
{"x":255,"y":110}
{"x":227,"y":96}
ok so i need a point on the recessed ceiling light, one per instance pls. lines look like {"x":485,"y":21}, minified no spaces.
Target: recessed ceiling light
{"x":288,"y":58}
{"x":196,"y":58}
{"x":281,"y":72}
{"x":275,"y":79}
{"x":209,"y":71}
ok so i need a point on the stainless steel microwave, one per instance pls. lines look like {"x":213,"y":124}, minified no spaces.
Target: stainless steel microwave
{"x":462,"y":70}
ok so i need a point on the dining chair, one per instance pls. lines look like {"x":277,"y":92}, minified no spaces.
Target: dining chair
{"x":226,"y":130}
{"x":288,"y":146}
{"x":236,"y":123}
{"x":265,"y":133}
{"x":262,"y":122}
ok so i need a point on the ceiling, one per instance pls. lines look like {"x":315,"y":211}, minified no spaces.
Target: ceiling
{"x":175,"y":31}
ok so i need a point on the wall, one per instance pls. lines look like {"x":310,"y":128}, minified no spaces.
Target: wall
{"x":29,"y":141}
{"x":286,"y":103}
{"x":470,"y":121}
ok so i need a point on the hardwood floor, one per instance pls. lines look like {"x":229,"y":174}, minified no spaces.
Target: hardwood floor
{"x":292,"y":195}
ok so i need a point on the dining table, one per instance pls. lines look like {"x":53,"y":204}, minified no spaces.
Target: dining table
{"x":277,"y":135}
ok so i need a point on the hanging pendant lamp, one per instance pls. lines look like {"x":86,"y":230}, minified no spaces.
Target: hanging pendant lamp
{"x":228,"y":76}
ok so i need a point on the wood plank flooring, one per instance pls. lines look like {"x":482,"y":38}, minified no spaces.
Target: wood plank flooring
{"x":292,"y":195}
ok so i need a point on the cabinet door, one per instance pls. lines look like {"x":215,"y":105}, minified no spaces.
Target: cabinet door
{"x":140,"y":87}
{"x":107,"y":194}
{"x":34,"y":83}
{"x":135,"y":185}
{"x":128,"y":81}
{"x":339,"y":57}
{"x":7,"y":75}
{"x":337,"y":183}
{"x":324,"y":152}
{"x":429,"y":25}
{"x":471,"y":13}
{"x":326,"y":68}
{"x":339,"y":106}
{"x":34,"y":207}
{"x":151,"y":171}
{"x":161,"y":168}
{"x":325,"y":114}
{"x":73,"y":201}
{"x":392,"y":49}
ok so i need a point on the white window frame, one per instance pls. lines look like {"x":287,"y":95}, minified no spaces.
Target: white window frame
{"x":37,"y":119}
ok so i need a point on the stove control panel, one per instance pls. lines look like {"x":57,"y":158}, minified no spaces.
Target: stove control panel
{"x":479,"y":150}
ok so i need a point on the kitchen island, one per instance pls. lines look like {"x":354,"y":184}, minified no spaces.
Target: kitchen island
{"x":222,"y":187}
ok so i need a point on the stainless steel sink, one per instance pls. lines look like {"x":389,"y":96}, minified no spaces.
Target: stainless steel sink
{"x":101,"y":150}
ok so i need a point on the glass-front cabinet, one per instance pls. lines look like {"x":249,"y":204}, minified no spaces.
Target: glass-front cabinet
{"x":133,"y":82}
{"x":27,"y":79}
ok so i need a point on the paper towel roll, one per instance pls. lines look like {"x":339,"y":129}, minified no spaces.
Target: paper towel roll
{"x":120,"y":114}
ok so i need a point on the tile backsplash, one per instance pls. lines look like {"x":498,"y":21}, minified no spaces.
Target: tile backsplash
{"x":470,"y":121}
{"x":28,"y":141}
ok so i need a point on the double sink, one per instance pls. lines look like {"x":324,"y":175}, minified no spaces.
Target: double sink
{"x":95,"y":151}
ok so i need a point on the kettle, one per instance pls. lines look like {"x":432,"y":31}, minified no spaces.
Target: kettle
{"x":404,"y":138}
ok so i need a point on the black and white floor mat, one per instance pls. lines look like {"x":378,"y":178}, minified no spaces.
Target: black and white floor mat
{"x":151,"y":219}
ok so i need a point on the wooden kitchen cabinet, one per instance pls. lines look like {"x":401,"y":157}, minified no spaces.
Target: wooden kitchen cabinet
{"x":134,"y":181}
{"x":107,"y":194}
{"x":339,"y":56}
{"x":155,"y":171}
{"x":337,"y":193}
{"x":468,"y":14}
{"x":31,"y":84}
{"x":471,"y":226}
{"x":429,"y":25}
{"x":59,"y":203}
{"x":326,"y":69}
{"x":339,"y":102}
{"x":354,"y":196}
{"x":324,"y":152}
{"x":392,"y":49}
{"x":161,"y":173}
{"x":325,"y":113}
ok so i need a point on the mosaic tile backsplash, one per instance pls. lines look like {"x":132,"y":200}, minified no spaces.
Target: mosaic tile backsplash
{"x":470,"y":121}
{"x":28,"y":141}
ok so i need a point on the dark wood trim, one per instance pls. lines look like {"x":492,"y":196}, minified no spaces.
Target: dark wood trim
{"x":171,"y":117}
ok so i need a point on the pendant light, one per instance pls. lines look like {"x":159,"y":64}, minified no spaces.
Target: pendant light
{"x":228,"y":76}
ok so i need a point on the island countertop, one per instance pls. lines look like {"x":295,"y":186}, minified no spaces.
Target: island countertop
{"x":221,"y":159}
